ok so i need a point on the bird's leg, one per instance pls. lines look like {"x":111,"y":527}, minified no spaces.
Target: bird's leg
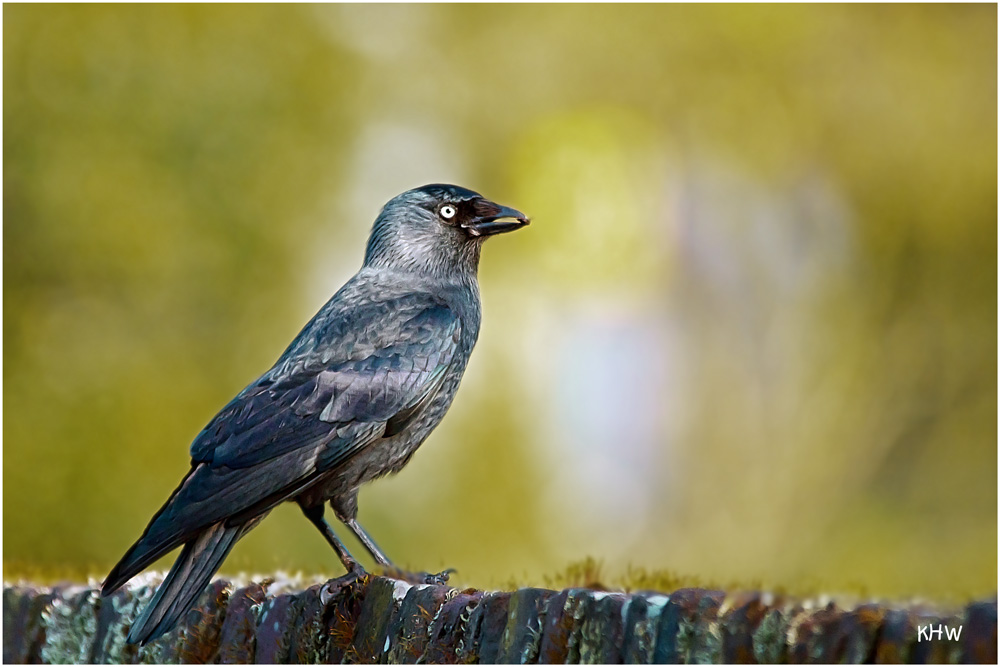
{"x":315,"y":514}
{"x":440,"y":578}
{"x":369,"y":543}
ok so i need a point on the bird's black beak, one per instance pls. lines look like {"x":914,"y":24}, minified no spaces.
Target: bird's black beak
{"x":494,"y":219}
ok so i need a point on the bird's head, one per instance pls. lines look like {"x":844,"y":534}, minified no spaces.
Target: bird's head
{"x":437,"y":229}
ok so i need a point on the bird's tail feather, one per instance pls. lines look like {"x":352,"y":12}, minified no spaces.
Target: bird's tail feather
{"x":188,"y":577}
{"x":138,"y":558}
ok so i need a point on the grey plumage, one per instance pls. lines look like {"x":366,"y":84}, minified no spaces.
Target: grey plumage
{"x":350,"y":400}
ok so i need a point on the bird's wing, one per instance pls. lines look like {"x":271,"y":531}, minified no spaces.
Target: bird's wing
{"x":325,"y":400}
{"x":332,"y":392}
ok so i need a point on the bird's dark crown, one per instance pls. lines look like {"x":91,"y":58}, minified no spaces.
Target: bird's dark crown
{"x":444,"y":191}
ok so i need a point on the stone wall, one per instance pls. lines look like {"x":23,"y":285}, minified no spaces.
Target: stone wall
{"x":383,"y":620}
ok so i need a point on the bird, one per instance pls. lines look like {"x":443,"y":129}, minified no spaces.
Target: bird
{"x":349,"y":401}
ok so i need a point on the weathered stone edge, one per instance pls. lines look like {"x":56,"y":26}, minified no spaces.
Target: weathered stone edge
{"x":388,"y":621}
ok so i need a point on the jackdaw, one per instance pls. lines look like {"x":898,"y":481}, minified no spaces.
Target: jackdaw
{"x":350,"y":400}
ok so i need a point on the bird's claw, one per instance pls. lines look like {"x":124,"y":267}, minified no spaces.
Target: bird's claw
{"x":333,"y":587}
{"x":416,"y":578}
{"x":439,"y":579}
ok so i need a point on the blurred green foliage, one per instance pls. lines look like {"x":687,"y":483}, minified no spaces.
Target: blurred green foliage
{"x":751,"y":335}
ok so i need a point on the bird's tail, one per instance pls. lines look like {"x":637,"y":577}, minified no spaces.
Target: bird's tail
{"x":192,"y":571}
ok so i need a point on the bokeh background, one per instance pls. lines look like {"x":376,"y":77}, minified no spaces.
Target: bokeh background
{"x":750,"y":337}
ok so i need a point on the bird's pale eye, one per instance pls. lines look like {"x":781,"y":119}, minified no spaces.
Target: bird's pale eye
{"x":447,"y":211}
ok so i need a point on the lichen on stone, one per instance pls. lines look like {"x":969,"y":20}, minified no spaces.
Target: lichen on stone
{"x":645,"y":630}
{"x":769,"y":638}
{"x":114,"y":648}
{"x":70,"y":622}
{"x":463,"y":652}
{"x":575,"y":608}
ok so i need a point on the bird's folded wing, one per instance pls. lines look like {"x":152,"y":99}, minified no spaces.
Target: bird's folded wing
{"x":322,"y":403}
{"x":317,"y":395}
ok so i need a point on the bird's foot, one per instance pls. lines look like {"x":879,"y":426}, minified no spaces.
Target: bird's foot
{"x":355,"y":571}
{"x":439,"y":579}
{"x":416,"y":578}
{"x":335,"y":587}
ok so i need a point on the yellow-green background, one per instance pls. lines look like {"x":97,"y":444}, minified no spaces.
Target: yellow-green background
{"x":751,"y":335}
